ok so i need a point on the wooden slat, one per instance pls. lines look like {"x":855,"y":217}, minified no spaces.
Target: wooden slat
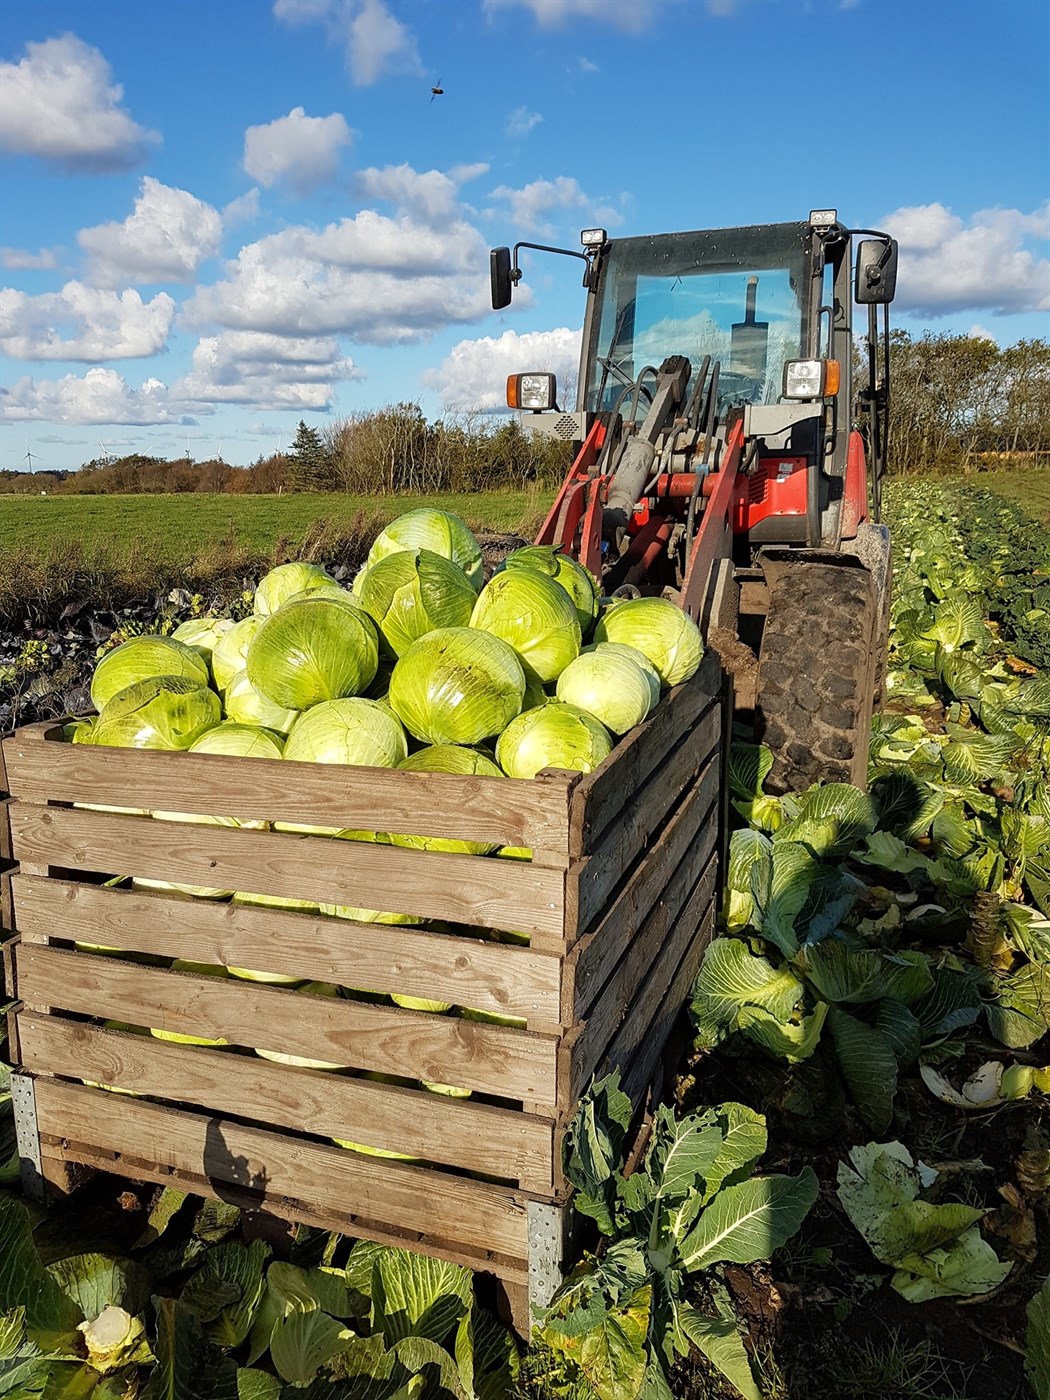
{"x":512,"y":1064}
{"x":597,"y":800}
{"x":57,"y":1152}
{"x":6,"y":851}
{"x":685,"y":895}
{"x":588,"y":1051}
{"x":453,"y":1132}
{"x":478,"y":890}
{"x":351,"y":1186}
{"x":692,"y":829}
{"x":662,"y":936}
{"x":641,"y":1057}
{"x":46,"y":769}
{"x":592,"y":880}
{"x":8,"y":986}
{"x":503,"y":978}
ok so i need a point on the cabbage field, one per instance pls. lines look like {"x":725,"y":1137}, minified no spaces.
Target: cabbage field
{"x":846,"y":1191}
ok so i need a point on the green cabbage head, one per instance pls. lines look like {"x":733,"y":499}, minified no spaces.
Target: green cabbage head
{"x":457,"y":685}
{"x":577,"y":580}
{"x":448,"y":758}
{"x":285,"y":581}
{"x":555,"y":735}
{"x":659,"y":630}
{"x":611,"y":684}
{"x":164,"y":712}
{"x":312,"y":650}
{"x":532,"y":613}
{"x":414,"y":591}
{"x":438,"y":530}
{"x":140,"y":659}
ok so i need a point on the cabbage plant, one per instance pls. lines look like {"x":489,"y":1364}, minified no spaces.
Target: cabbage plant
{"x":230,"y":653}
{"x":246,"y":705}
{"x":438,"y":530}
{"x":143,"y":658}
{"x":611,"y":686}
{"x":414,"y":591}
{"x":203,"y":634}
{"x":457,"y":686}
{"x":661,"y":631}
{"x":448,"y":758}
{"x":351,"y":730}
{"x":287,"y":580}
{"x":533,"y":614}
{"x":164,"y":712}
{"x":236,"y":740}
{"x":577,"y":580}
{"x":312,"y":650}
{"x":555,"y":735}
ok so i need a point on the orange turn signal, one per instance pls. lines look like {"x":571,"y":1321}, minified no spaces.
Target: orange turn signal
{"x":513,"y":384}
{"x":832,"y":377}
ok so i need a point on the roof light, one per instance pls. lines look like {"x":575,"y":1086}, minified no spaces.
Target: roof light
{"x":823,"y":219}
{"x":593,"y":237}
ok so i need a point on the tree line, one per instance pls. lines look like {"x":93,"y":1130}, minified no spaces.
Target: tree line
{"x":958,"y":403}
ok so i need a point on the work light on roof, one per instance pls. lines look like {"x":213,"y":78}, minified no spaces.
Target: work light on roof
{"x":593,"y":237}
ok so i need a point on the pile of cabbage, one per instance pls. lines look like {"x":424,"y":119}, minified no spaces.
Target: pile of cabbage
{"x":421,"y":665}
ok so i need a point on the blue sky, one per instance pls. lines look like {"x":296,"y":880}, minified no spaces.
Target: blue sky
{"x":219,"y":218}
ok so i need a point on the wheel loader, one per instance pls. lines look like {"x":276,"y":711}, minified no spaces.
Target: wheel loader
{"x":730,"y":440}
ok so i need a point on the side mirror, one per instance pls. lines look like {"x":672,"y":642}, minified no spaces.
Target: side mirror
{"x":876,"y":272}
{"x":499,"y":274}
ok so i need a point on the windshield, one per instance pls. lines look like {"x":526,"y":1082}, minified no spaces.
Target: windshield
{"x":738,"y":295}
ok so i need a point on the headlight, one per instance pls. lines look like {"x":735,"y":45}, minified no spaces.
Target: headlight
{"x":811,"y":379}
{"x":532,"y":391}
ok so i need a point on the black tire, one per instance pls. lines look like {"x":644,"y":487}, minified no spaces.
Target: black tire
{"x":816,"y":676}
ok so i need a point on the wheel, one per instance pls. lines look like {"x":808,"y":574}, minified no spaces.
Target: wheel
{"x":816,"y":675}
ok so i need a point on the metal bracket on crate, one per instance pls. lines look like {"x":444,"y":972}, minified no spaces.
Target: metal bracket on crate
{"x":547,"y":1238}
{"x":27,"y":1135}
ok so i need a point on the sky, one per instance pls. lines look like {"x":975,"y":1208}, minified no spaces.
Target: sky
{"x":221,"y":217}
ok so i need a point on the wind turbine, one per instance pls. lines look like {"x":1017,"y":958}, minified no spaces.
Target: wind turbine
{"x":28,"y":457}
{"x":106,"y":455}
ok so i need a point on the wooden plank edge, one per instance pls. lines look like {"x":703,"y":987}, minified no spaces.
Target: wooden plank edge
{"x":464,"y":970}
{"x":285,"y":1208}
{"x":497,"y":1060}
{"x":412,"y":1199}
{"x":483,"y":1136}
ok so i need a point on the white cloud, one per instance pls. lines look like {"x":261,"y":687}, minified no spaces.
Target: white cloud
{"x":298,"y":151}
{"x":586,"y":65}
{"x":372,"y":278}
{"x":520,"y":123}
{"x":265,"y":371}
{"x":463,"y":174}
{"x":165,"y":238}
{"x":978,"y":332}
{"x":83,"y":323}
{"x":949,"y":265}
{"x":21,"y":260}
{"x":61,"y":106}
{"x":629,"y":15}
{"x":242,"y":210}
{"x":239,"y":368}
{"x":100,"y":396}
{"x":530,"y":206}
{"x":428,"y":195}
{"x":376,"y":42}
{"x":474,"y":373}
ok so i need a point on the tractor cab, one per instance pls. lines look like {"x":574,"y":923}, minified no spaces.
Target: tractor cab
{"x":730,"y":447}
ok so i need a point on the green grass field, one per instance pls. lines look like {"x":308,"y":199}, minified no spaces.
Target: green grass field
{"x":177,"y":528}
{"x":1028,"y":487}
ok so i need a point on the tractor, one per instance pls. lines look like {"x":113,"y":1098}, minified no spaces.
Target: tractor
{"x":730,"y":447}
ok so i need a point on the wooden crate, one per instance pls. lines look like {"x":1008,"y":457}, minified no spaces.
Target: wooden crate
{"x":617,"y":899}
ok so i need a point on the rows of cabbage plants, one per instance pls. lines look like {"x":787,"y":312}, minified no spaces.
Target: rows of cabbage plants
{"x":876,"y":1003}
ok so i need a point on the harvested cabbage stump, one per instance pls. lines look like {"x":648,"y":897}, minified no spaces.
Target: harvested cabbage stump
{"x":617,"y":902}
